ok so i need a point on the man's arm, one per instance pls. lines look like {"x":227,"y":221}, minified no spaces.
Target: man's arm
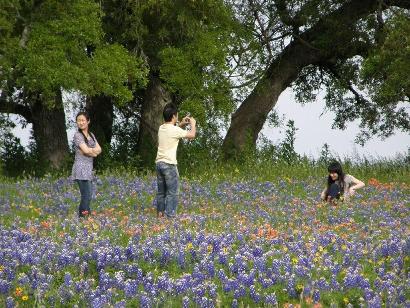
{"x":191,"y":133}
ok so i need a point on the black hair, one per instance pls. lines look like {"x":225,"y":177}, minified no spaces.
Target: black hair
{"x":87,"y":117}
{"x":335,"y":167}
{"x":169,"y":111}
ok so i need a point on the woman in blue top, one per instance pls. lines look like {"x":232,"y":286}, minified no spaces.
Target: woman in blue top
{"x":86,"y":148}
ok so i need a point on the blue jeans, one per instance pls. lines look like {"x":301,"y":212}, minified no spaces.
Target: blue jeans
{"x":86,"y":191}
{"x":168,"y":182}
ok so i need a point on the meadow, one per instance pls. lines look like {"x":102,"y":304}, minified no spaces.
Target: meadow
{"x":238,"y":241}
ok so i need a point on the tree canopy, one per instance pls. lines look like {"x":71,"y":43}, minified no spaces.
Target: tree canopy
{"x":208,"y":57}
{"x":53,"y":45}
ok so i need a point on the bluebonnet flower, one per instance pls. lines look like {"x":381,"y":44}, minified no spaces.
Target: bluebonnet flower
{"x":120,"y":304}
{"x":99,"y":302}
{"x":316,"y":296}
{"x":291,"y":287}
{"x":260,"y":264}
{"x":5,"y":286}
{"x":322,"y":284}
{"x":210,"y":268}
{"x":234,"y":303}
{"x":334,"y":284}
{"x":257,"y":251}
{"x":222,"y":258}
{"x":119,"y":279}
{"x":239,"y":292}
{"x":254,"y":294}
{"x":145,"y":301}
{"x":307,"y":290}
{"x":265,"y":282}
{"x":165,"y":255}
{"x":68,"y":279}
{"x":181,"y":258}
{"x":10,"y":302}
{"x":212,"y":290}
{"x":375,"y":302}
{"x":368,"y":294}
{"x":221,"y":275}
{"x":131,"y":287}
{"x":271,"y":299}
{"x":199,"y":291}
{"x":185,"y":302}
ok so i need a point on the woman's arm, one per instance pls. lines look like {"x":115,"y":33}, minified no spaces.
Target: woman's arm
{"x":88,"y":151}
{"x":97,"y":150}
{"x":356,"y":184}
{"x":323,"y":194}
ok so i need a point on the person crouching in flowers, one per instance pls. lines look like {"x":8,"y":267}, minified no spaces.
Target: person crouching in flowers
{"x":340,"y":186}
{"x":86,"y":148}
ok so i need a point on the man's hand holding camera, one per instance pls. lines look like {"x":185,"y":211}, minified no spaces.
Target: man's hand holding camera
{"x":187,"y":120}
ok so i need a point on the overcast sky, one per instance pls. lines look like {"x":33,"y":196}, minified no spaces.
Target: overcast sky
{"x":313,"y":131}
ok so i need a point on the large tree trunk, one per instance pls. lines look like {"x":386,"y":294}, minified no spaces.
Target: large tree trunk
{"x":101,"y":110}
{"x":331,"y":39}
{"x":49,"y":129}
{"x":155,"y":98}
{"x":251,"y":115}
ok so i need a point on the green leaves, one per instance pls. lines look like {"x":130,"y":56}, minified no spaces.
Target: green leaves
{"x":61,"y":46}
{"x":386,"y":72}
{"x":196,"y":67}
{"x":110,"y":68}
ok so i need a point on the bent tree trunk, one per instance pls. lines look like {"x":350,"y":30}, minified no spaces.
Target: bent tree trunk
{"x":250,"y":117}
{"x":49,"y":130}
{"x":331,"y":39}
{"x":155,"y":99}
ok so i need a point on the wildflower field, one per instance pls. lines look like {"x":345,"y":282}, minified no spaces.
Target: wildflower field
{"x":234,"y":243}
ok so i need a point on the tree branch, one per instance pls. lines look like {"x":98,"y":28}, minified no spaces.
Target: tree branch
{"x":7,"y":106}
{"x":404,"y":4}
{"x":262,"y":28}
{"x":361,"y":101}
{"x":284,"y":15}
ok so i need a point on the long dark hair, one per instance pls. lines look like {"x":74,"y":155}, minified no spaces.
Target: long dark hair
{"x":335,"y":167}
{"x":87,"y":117}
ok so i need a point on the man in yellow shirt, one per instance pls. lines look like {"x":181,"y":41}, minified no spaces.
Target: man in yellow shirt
{"x":166,"y":161}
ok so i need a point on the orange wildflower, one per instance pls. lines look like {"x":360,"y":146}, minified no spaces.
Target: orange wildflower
{"x":18,"y":292}
{"x":272,"y":233}
{"x":45,"y":224}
